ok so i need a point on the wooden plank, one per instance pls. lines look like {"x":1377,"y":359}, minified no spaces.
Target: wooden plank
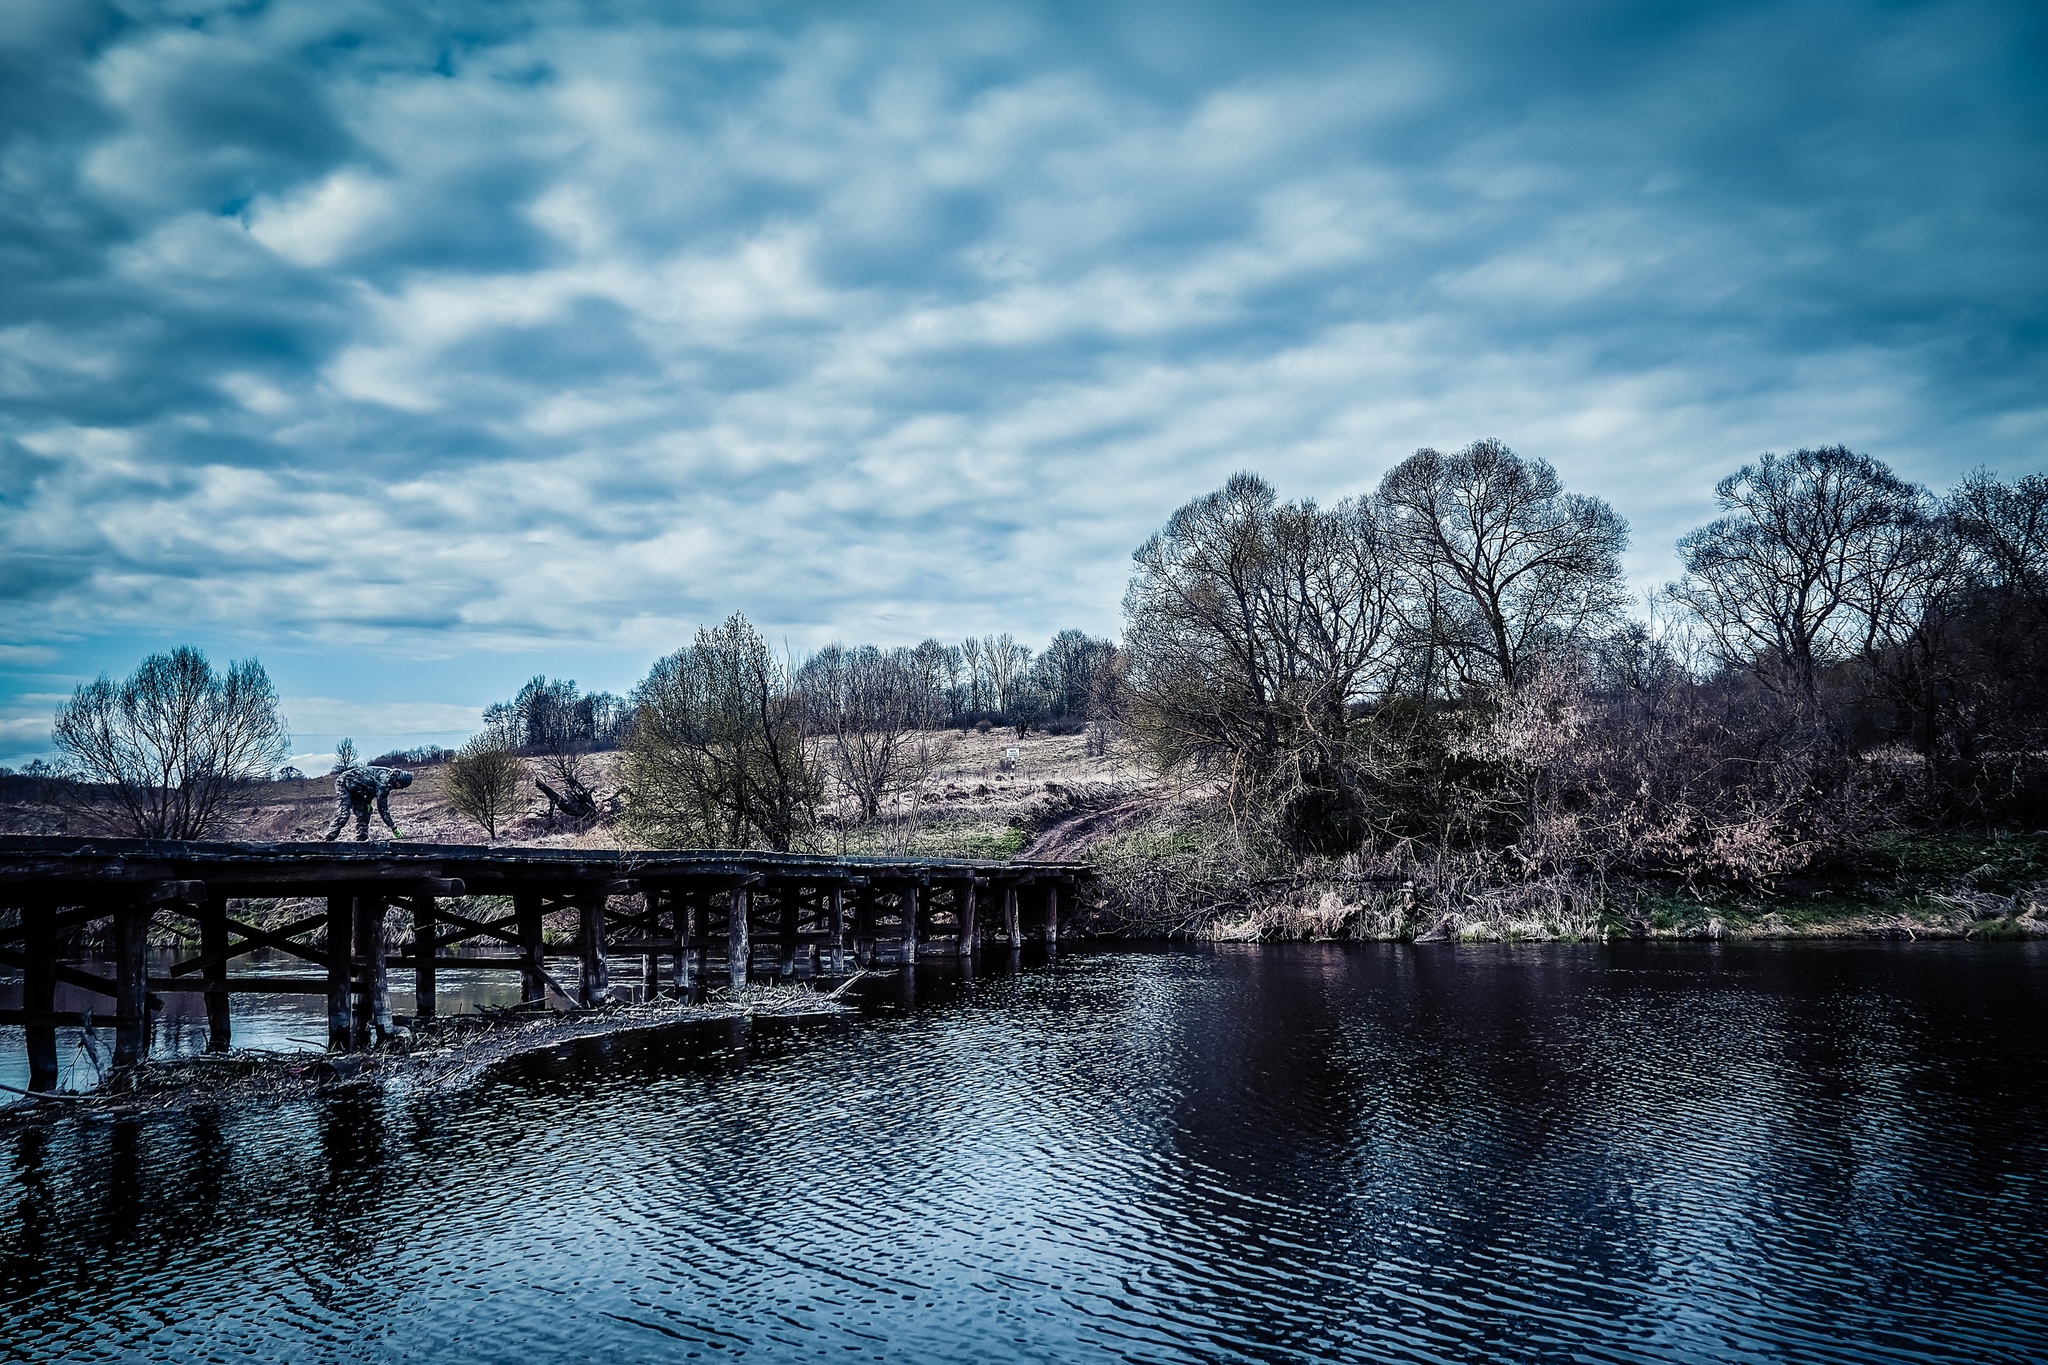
{"x":42,"y":1020}
{"x":244,"y":985}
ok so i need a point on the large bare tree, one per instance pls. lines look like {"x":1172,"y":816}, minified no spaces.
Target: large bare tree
{"x":1254,"y":629}
{"x":1505,"y":565}
{"x":164,"y":753}
{"x":1824,"y":555}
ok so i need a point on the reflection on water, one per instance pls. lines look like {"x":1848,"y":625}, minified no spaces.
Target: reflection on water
{"x":1287,"y":1153}
{"x":275,"y":1023}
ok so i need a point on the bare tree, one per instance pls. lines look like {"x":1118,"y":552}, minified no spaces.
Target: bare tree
{"x":1007,"y":663}
{"x":974,"y":659}
{"x":164,"y":753}
{"x":1254,"y":630}
{"x":715,"y":753}
{"x":865,"y":703}
{"x":1506,"y":566}
{"x":1824,"y":553}
{"x":483,"y":780}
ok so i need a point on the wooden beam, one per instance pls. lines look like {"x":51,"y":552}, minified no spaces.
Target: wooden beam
{"x":739,"y":948}
{"x":909,"y":935}
{"x":785,"y":952}
{"x":213,"y":946}
{"x":131,"y":985}
{"x":340,"y":935}
{"x":73,"y":976}
{"x":595,"y":987}
{"x":38,"y":995}
{"x":836,"y":911}
{"x":252,"y":939}
{"x":504,"y":930}
{"x":527,"y":910}
{"x":423,"y":954}
{"x":245,"y":985}
{"x":963,"y":914}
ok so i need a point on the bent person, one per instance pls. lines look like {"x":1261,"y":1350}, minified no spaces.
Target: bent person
{"x":355,"y":788}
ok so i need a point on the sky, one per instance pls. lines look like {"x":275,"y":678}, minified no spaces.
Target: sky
{"x":415,"y":349}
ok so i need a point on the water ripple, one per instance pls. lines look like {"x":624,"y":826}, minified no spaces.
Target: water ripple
{"x":1284,"y":1154}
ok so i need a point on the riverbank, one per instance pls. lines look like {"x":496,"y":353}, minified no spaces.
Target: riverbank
{"x":1176,"y":869}
{"x":445,"y":1053}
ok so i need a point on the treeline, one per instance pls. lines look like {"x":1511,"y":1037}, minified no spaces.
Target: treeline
{"x":1449,"y":663}
{"x":725,"y":743}
{"x":1448,"y":666}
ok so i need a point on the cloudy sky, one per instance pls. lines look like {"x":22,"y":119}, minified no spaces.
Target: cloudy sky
{"x":416,"y":348}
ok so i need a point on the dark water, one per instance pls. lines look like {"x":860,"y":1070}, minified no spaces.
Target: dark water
{"x":1307,"y":1153}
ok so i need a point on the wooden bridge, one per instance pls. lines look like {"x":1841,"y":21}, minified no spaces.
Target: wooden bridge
{"x":677,"y":911}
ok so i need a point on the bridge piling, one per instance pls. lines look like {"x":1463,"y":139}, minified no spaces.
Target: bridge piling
{"x":1010,"y":930}
{"x":739,"y":948}
{"x":964,"y":917}
{"x":836,"y":917}
{"x":131,"y":990}
{"x":785,"y":957}
{"x":596,"y":985}
{"x":424,"y":954}
{"x":213,"y":946}
{"x":533,"y":987}
{"x":39,"y":994}
{"x":340,"y":935}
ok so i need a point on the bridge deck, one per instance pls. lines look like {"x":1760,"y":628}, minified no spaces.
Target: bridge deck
{"x":673,"y":909}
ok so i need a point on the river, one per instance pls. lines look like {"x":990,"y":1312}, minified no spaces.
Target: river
{"x":1730,"y":1152}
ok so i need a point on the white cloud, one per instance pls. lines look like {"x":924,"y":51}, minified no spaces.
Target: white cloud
{"x":320,"y":225}
{"x":881,"y":329}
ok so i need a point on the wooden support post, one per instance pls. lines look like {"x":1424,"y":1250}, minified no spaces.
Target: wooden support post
{"x":372,"y":1022}
{"x":597,"y":987}
{"x":131,"y":985}
{"x":340,"y":939}
{"x":533,"y":987}
{"x":909,"y":953}
{"x":1011,"y":930}
{"x":650,"y":961}
{"x":39,"y":994}
{"x":685,"y":934}
{"x":785,"y":959}
{"x":1052,"y":912}
{"x":739,"y":949}
{"x":864,"y":927}
{"x":964,"y":914}
{"x":836,"y":912}
{"x":423,"y":953}
{"x":213,"y":945}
